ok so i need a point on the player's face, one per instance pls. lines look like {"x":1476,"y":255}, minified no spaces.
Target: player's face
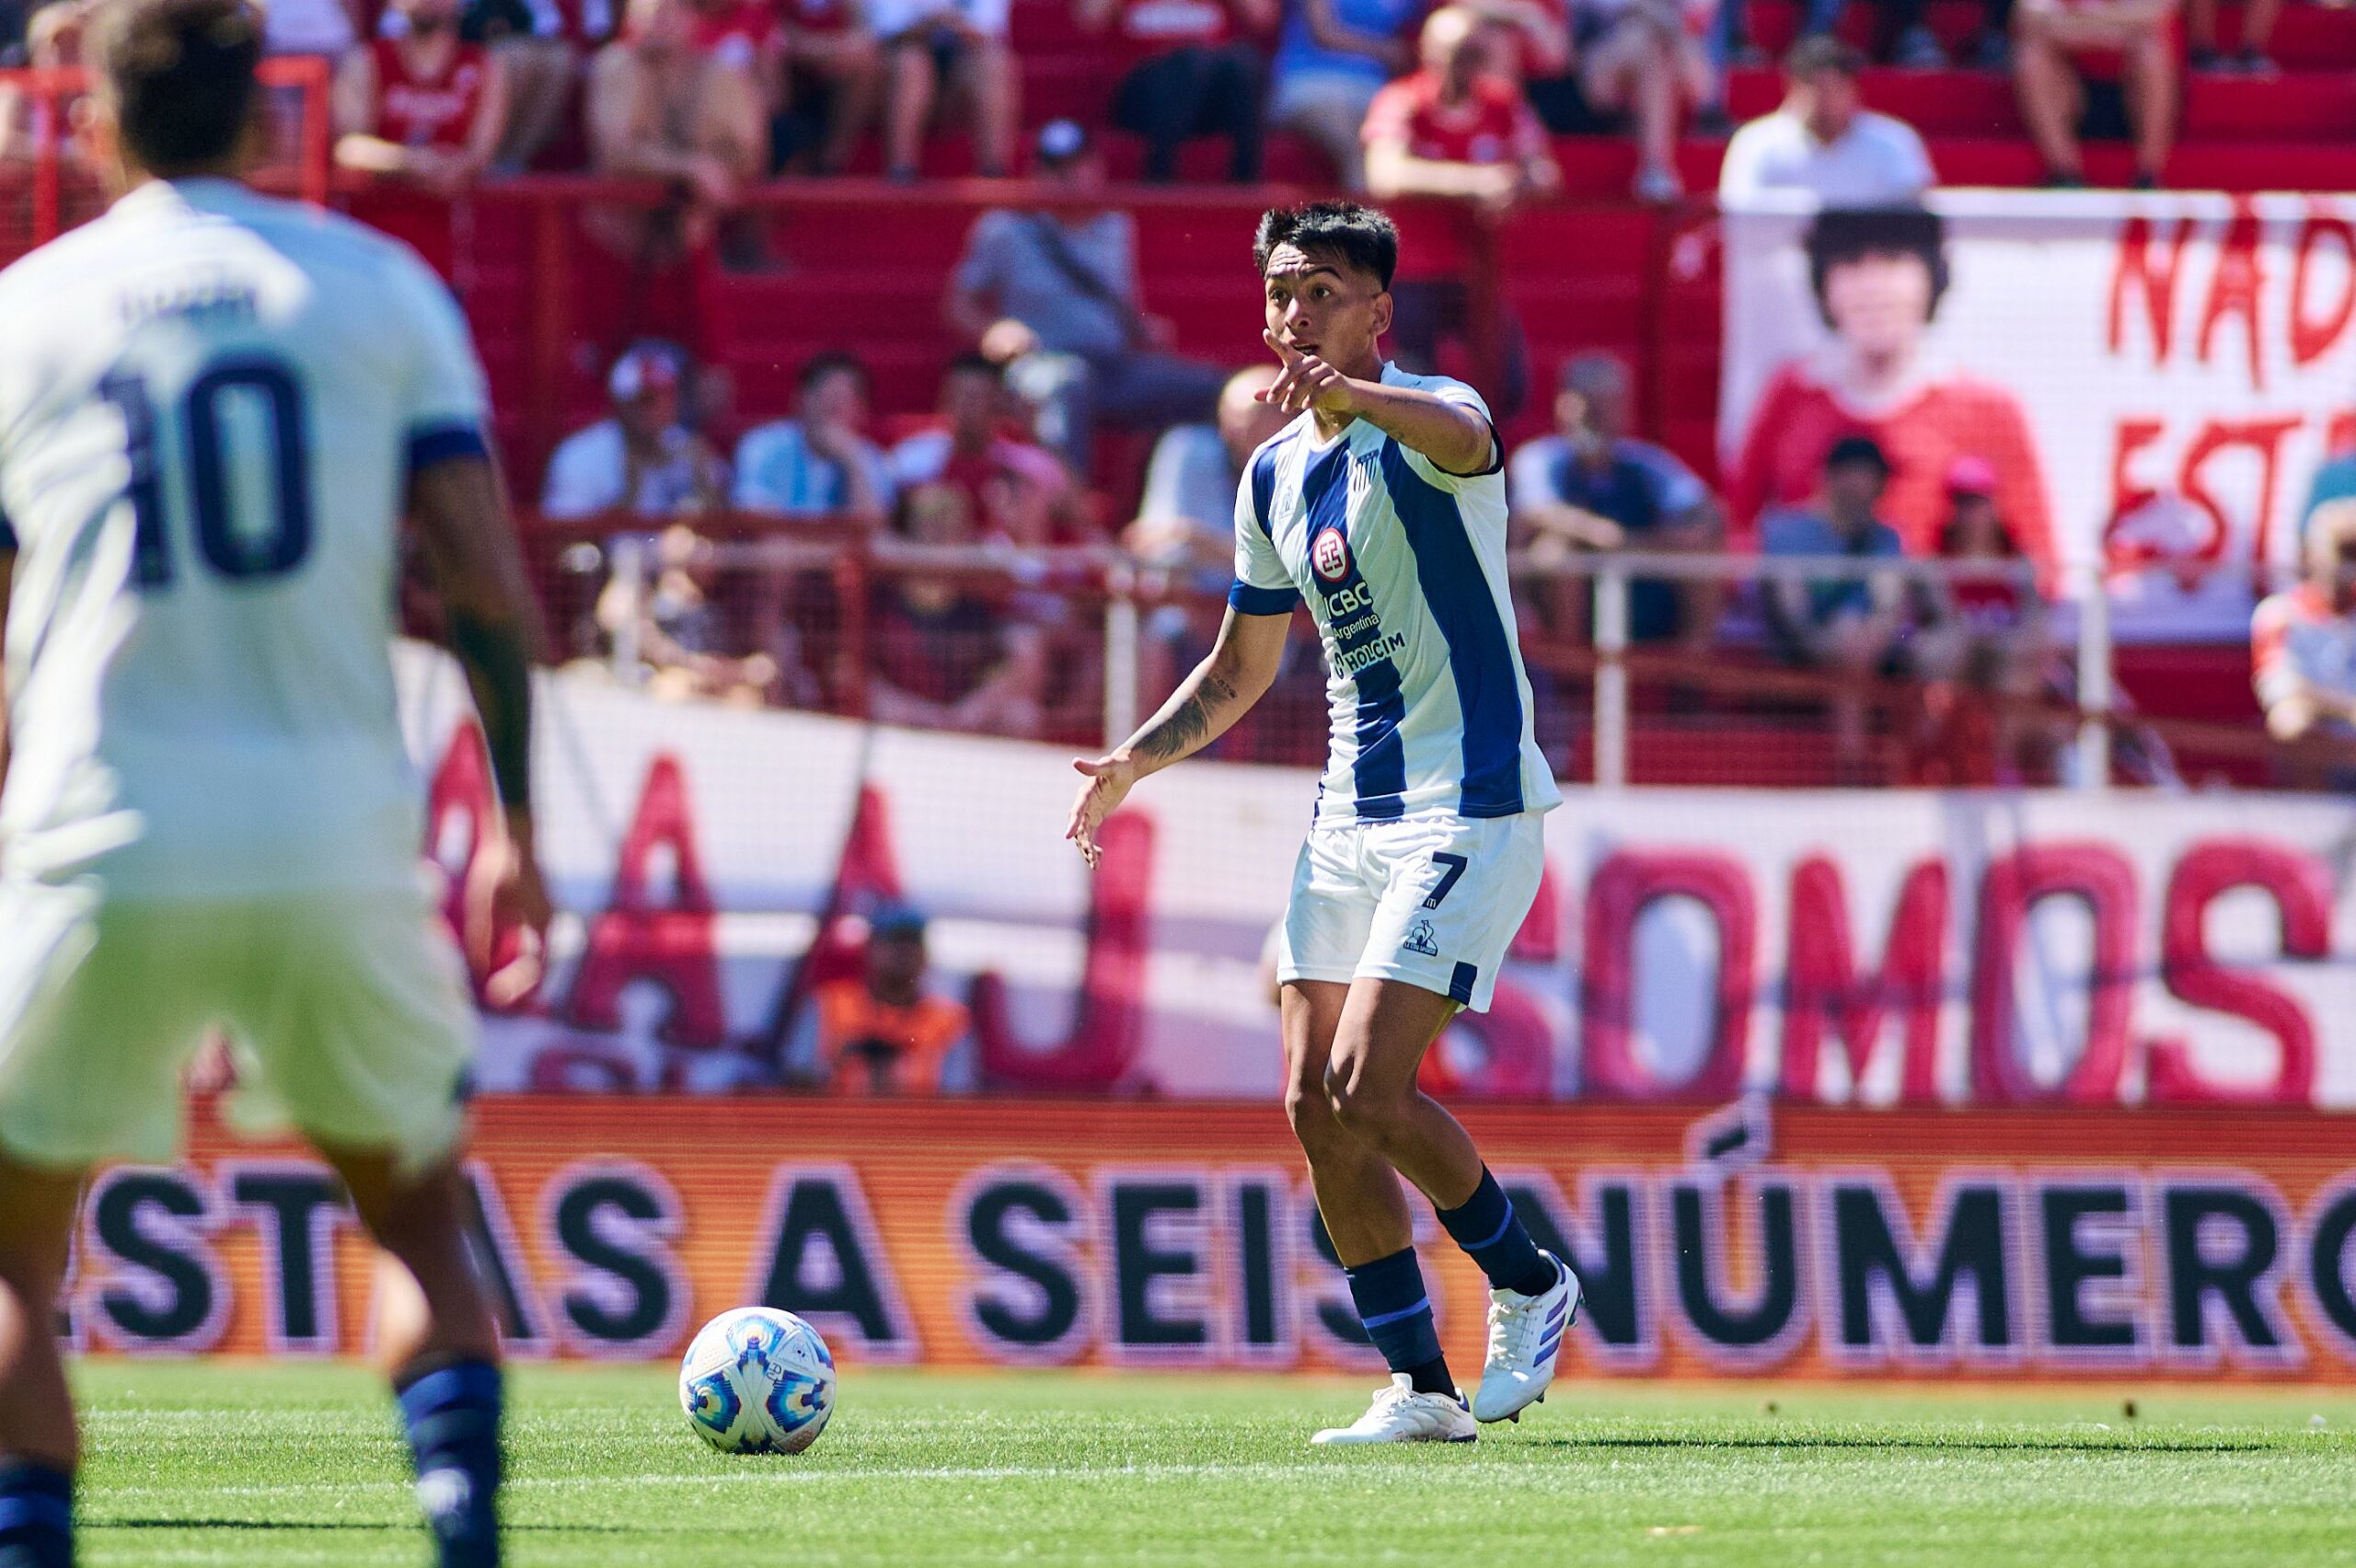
{"x":1319,"y":305}
{"x":1878,"y":302}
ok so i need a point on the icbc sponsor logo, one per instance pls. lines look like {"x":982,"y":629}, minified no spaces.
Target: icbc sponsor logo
{"x":1329,"y":555}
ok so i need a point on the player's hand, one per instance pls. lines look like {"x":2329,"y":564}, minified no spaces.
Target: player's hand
{"x":505,"y":894}
{"x":1109,"y":781}
{"x":1306,"y":382}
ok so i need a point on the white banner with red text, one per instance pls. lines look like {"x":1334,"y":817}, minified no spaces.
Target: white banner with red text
{"x":1869,"y":947}
{"x":2153,"y":377}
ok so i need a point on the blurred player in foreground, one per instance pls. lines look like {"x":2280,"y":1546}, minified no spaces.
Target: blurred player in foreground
{"x":1383,"y":502}
{"x":215,"y":408}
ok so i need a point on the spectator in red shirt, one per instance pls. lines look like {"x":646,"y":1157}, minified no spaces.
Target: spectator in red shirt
{"x":1011,"y":489}
{"x":2127,"y":45}
{"x":1878,"y":278}
{"x":1988,"y":635}
{"x":1186,"y":76}
{"x":950,"y":652}
{"x":1450,"y":149}
{"x":421,"y":107}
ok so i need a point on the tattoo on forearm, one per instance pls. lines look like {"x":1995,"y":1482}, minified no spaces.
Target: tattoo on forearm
{"x":1188,"y":722}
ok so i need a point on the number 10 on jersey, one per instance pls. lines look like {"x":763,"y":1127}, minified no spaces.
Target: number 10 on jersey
{"x":269,"y":546}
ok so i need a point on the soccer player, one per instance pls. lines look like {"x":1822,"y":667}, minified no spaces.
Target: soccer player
{"x":1382,"y":502}
{"x":215,"y":408}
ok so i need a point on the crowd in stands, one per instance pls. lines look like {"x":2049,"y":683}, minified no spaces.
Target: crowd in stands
{"x":712,"y":96}
{"x":1452,"y":117}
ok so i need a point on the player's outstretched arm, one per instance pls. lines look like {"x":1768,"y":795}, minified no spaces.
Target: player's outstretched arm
{"x":461,"y":511}
{"x":1242,"y":667}
{"x":1457,"y":439}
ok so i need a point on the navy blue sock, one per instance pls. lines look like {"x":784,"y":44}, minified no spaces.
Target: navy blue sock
{"x":1488,"y":1229}
{"x":1397,"y":1312}
{"x":36,"y":1516}
{"x":451,"y":1416}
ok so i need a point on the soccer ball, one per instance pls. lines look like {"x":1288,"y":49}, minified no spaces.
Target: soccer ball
{"x":757,"y":1381}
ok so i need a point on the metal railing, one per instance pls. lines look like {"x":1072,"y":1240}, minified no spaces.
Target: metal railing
{"x":1109,"y":596}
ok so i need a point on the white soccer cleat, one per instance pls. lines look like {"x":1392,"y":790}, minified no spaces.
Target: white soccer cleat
{"x":1402,"y":1415}
{"x":1525,"y":1341}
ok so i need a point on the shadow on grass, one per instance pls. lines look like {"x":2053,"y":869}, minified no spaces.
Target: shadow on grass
{"x":2117,"y":1443}
{"x":410,"y":1525}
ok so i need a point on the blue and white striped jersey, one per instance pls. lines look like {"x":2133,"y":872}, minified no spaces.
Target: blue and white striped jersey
{"x":1404,"y":567}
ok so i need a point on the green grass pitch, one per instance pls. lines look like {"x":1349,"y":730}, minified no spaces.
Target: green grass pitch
{"x":272,"y":1466}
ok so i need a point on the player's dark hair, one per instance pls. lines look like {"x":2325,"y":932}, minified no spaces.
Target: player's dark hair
{"x":973,"y":362}
{"x":832,"y":362}
{"x":1822,"y":51}
{"x":181,"y":77}
{"x":1843,"y":234}
{"x":1358,"y":236}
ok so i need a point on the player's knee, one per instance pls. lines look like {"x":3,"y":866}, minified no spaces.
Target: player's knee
{"x":1310,"y":1111}
{"x":1368,"y":1112}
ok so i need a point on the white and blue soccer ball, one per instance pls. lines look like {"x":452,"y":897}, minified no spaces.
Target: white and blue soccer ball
{"x":757,"y":1381}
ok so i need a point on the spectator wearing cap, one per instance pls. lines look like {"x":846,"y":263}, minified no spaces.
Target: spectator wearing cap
{"x":1052,"y":295}
{"x":819,"y":463}
{"x":2303,"y":640}
{"x":640,"y":458}
{"x":1848,"y":627}
{"x":947,"y":60}
{"x":1191,"y":71}
{"x":879,"y":1032}
{"x":1824,"y":142}
{"x":1590,"y":486}
{"x":1451,"y":148}
{"x":1986,"y":634}
{"x":2335,"y":479}
{"x":2126,"y":48}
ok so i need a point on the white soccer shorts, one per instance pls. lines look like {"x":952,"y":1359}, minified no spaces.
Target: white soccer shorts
{"x":351,"y":1009}
{"x":1431,"y":900}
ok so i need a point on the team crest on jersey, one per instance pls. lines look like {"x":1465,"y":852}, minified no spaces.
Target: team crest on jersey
{"x":1422,"y":939}
{"x":1329,"y":555}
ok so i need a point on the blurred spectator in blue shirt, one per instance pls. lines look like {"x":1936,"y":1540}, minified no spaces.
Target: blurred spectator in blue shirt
{"x":1848,"y":627}
{"x":1590,"y":486}
{"x":817,"y":463}
{"x":1333,"y":56}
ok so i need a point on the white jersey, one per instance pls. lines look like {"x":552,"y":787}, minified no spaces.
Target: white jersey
{"x":209,"y":405}
{"x":1404,"y":567}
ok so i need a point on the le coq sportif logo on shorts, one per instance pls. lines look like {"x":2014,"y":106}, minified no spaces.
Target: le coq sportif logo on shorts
{"x":1421,"y":938}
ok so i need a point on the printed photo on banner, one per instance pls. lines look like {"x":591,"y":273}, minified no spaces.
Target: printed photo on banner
{"x":2149,"y":381}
